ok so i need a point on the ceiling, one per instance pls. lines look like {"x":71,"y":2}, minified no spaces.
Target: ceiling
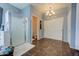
{"x":19,"y":5}
{"x":42,"y":7}
{"x":45,"y":6}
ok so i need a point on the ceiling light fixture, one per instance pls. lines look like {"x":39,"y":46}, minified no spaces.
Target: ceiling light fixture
{"x":50,"y":12}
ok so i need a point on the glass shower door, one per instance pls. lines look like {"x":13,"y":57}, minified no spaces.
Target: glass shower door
{"x":17,"y":31}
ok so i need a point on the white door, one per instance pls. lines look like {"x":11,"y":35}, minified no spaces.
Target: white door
{"x":53,"y":28}
{"x":17,"y":31}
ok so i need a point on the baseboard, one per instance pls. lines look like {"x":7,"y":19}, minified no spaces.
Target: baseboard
{"x":51,"y":39}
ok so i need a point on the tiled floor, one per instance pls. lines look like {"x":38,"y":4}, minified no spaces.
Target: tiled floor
{"x":50,"y":47}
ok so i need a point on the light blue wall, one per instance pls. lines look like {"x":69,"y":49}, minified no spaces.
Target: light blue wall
{"x":8,"y":7}
{"x":27,"y":13}
{"x":73,"y":25}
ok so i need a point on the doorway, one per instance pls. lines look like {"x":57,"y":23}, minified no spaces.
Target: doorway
{"x":35,"y":30}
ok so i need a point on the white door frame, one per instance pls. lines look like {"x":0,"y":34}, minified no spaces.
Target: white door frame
{"x":26,"y":28}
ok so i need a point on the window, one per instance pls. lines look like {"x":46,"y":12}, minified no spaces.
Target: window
{"x":6,"y":28}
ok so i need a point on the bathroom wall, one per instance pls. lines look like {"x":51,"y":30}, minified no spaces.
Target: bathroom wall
{"x":77,"y":27}
{"x":61,"y":13}
{"x":53,"y":28}
{"x":73,"y":18}
{"x":73,"y":25}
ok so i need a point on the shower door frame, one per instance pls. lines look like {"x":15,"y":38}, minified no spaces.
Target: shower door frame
{"x":11,"y":32}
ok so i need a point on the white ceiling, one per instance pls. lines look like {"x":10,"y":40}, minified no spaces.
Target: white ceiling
{"x":45,"y":6}
{"x":42,"y":7}
{"x":19,"y":5}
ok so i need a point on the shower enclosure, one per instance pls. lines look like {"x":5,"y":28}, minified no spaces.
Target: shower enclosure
{"x":18,"y":30}
{"x":16,"y":25}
